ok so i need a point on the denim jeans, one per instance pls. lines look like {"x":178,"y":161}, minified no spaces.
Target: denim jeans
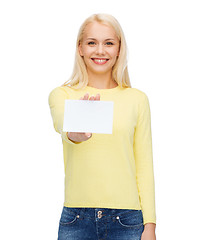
{"x":100,"y":224}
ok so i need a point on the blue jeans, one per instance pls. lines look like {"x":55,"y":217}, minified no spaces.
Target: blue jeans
{"x":100,"y":224}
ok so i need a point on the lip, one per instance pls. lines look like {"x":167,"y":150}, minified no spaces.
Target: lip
{"x":100,"y":63}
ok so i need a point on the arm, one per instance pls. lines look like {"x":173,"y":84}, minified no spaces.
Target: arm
{"x":144,"y":163}
{"x":56,"y":103}
{"x":149,"y":232}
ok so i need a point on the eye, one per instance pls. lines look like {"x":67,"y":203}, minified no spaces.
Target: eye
{"x":91,"y":43}
{"x":109,"y":43}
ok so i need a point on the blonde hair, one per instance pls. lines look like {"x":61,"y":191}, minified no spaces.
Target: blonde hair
{"x":79,"y":77}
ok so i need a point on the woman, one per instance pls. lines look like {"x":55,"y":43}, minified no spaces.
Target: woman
{"x":109,"y":179}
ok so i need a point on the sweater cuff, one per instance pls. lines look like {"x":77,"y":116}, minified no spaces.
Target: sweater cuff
{"x":149,"y":221}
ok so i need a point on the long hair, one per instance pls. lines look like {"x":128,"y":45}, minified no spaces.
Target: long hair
{"x":79,"y":77}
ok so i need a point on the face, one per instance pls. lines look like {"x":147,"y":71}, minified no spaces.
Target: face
{"x":99,"y":48}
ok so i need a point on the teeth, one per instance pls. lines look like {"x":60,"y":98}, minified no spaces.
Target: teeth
{"x":100,"y":60}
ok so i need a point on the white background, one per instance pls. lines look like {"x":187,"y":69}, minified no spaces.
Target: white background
{"x":170,"y":60}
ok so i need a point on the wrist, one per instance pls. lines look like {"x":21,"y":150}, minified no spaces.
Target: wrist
{"x":71,"y":139}
{"x":67,"y":134}
{"x":149,"y":226}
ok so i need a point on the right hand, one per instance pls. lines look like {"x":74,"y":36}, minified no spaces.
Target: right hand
{"x":79,"y":136}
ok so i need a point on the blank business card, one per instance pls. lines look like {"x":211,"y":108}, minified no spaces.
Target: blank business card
{"x":88,"y":116}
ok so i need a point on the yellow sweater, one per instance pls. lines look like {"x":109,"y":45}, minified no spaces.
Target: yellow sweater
{"x":110,"y":170}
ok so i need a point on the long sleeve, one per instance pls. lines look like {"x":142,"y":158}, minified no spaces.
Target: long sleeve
{"x":56,"y":103}
{"x":144,"y":162}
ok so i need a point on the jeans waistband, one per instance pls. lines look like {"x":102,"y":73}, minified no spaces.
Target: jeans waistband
{"x":100,"y":212}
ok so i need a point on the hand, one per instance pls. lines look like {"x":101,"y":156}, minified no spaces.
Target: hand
{"x":79,"y":136}
{"x":149,"y":232}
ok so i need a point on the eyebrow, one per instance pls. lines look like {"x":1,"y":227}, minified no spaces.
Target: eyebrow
{"x":105,"y":39}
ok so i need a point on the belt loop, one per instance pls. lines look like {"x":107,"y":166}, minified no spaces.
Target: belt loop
{"x":82,"y":212}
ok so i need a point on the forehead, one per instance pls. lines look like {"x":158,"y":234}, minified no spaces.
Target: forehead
{"x":99,"y":31}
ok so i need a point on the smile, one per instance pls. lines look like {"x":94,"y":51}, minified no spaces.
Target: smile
{"x":99,"y":61}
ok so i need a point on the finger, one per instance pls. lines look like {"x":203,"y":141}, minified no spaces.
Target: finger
{"x":88,"y":135}
{"x":86,"y":96}
{"x":92,"y":97}
{"x":97,"y":96}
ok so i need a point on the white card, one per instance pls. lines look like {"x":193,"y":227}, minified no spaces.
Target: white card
{"x":88,"y":116}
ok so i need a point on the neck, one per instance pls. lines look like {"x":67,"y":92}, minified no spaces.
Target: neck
{"x":101,"y":81}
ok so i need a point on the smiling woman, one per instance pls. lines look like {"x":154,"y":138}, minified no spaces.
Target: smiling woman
{"x":100,"y":51}
{"x":100,"y":37}
{"x":109,"y":180}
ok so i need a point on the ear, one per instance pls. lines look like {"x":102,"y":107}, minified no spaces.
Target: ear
{"x":80,"y":49}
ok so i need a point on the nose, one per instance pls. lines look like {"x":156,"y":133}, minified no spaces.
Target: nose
{"x":100,"y":49}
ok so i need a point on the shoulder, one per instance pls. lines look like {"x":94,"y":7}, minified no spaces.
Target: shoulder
{"x":57,"y":94}
{"x":137,"y":94}
{"x":59,"y":90}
